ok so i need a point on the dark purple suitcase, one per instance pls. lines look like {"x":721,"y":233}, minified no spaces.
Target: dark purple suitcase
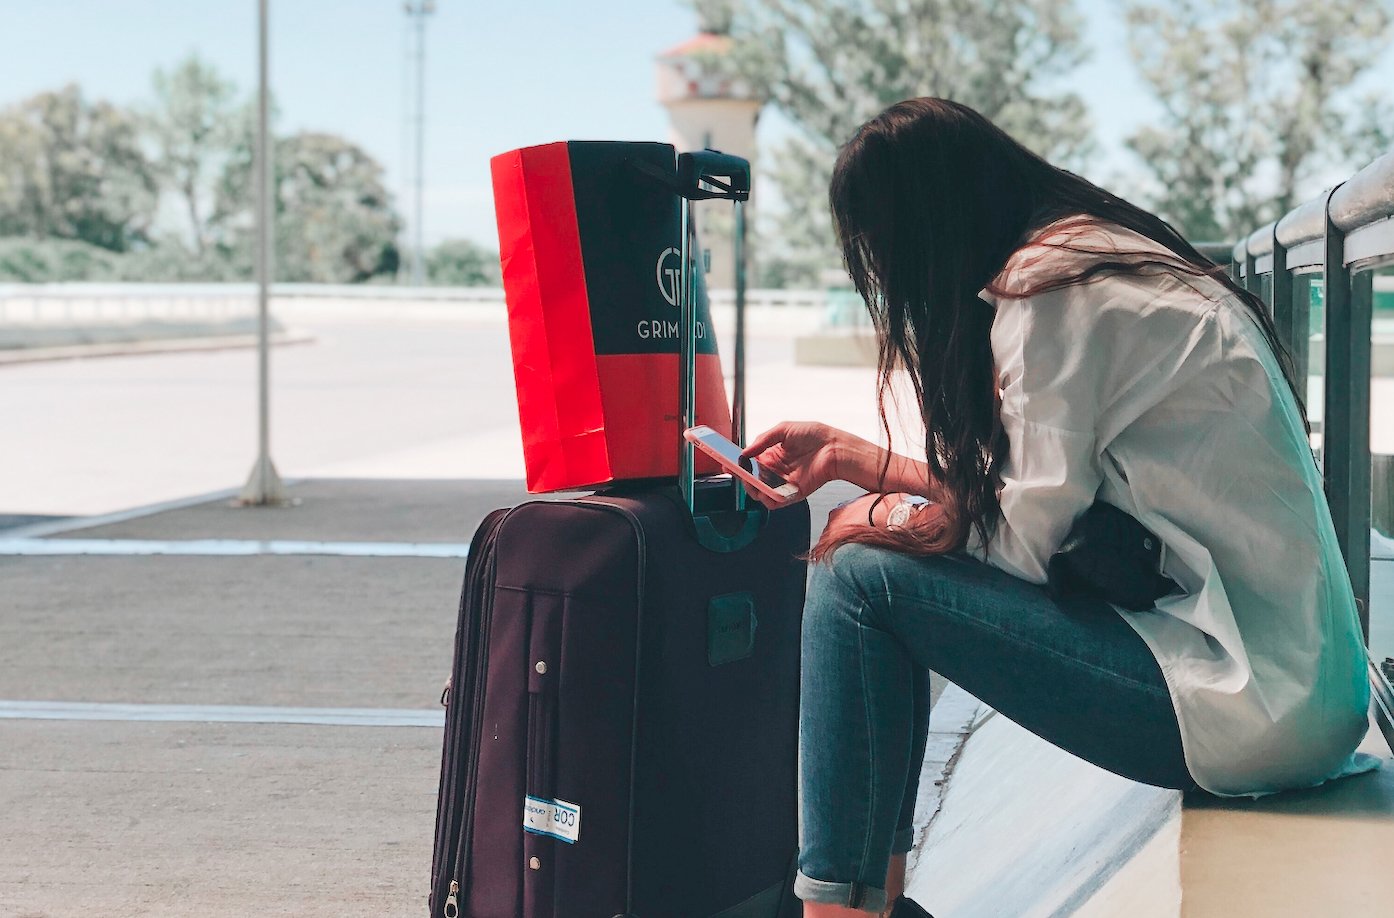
{"x":665,"y":709}
{"x":622,"y":718}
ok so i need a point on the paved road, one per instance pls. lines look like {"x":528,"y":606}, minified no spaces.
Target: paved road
{"x":416,"y":397}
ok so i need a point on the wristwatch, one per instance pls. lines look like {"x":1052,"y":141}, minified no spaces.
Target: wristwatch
{"x":901,"y":512}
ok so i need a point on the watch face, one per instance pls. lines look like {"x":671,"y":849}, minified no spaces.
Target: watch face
{"x":899,"y":514}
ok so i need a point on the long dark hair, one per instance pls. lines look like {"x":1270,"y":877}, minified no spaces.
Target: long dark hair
{"x":930,"y":200}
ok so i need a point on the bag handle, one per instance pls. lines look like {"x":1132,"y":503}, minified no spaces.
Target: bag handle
{"x":702,"y":176}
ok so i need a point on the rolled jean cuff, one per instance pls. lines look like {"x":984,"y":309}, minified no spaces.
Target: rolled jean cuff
{"x":853,"y":895}
{"x":903,"y":841}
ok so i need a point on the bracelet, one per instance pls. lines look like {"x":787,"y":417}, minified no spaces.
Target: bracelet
{"x":872,"y":509}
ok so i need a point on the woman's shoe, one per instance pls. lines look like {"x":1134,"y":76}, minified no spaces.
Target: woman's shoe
{"x":908,"y":908}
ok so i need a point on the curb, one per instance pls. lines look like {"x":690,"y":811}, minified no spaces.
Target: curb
{"x":140,"y":348}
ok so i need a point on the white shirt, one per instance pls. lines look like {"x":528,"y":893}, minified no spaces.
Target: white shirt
{"x":1160,"y":395}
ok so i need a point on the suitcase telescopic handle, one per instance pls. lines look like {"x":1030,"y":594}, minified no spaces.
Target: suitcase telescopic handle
{"x":723,"y":175}
{"x":710,"y":175}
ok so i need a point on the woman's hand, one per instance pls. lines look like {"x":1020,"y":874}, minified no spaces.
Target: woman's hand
{"x":808,"y":455}
{"x":803,"y":453}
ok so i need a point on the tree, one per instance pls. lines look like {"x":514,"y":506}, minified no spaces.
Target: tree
{"x":829,"y":65}
{"x":462,"y":263}
{"x":27,"y":260}
{"x":334,"y":218}
{"x":194,"y":125}
{"x":74,"y":169}
{"x":1254,"y":101}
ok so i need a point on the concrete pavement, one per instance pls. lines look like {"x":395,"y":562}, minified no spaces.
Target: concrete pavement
{"x":124,"y":817}
{"x":138,"y":819}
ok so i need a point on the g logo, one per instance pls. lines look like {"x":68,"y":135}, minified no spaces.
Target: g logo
{"x":669,"y":272}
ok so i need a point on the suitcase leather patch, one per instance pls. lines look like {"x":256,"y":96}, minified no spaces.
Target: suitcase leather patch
{"x":731,"y":626}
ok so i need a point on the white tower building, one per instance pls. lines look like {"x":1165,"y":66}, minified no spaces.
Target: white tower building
{"x":707,"y":108}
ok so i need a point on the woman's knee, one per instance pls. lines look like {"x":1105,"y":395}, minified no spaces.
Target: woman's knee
{"x":863,"y":582}
{"x":848,"y":571}
{"x":851,"y":584}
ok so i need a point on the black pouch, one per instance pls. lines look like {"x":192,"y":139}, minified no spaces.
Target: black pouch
{"x":1111,"y":556}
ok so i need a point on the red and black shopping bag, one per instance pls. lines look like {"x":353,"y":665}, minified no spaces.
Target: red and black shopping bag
{"x":589,"y":244}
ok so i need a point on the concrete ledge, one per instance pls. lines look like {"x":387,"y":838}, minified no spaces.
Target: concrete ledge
{"x":1027,"y":830}
{"x":1324,"y":851}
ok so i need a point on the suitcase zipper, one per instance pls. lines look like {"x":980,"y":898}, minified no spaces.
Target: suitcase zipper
{"x":452,"y":903}
{"x":478,"y":672}
{"x":474,"y":599}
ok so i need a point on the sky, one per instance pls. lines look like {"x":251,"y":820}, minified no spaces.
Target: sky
{"x":499,"y":75}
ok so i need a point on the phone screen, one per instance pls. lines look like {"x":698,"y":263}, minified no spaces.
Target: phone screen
{"x":729,"y":451}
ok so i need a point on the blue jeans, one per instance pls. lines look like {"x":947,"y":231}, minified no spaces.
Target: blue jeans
{"x":1073,"y":672}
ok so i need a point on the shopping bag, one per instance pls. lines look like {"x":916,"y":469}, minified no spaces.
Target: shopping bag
{"x":590,"y":247}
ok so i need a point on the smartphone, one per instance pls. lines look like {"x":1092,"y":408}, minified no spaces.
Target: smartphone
{"x":728,"y":455}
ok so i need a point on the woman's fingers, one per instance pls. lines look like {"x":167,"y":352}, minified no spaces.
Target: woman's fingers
{"x":767,"y":439}
{"x":773,"y":459}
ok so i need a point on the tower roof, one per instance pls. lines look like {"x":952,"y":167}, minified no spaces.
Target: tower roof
{"x":701,"y":43}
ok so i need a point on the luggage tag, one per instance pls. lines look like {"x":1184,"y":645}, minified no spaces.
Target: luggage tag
{"x":552,"y":818}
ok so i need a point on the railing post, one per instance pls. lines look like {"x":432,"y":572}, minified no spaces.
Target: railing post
{"x":1346,"y":425}
{"x":1293,"y":336}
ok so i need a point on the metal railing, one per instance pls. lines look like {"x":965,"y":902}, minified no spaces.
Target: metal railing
{"x":84,"y":302}
{"x":1344,"y":236}
{"x":1337,"y":240}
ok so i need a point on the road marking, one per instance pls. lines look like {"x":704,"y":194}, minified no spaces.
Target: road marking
{"x":67,"y":524}
{"x":230,"y":548}
{"x":220,"y":714}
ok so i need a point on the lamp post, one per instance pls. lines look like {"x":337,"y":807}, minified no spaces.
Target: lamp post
{"x":264,"y":485}
{"x":418,"y":10}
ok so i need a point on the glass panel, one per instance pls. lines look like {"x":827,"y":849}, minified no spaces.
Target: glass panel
{"x":1382,"y":467}
{"x":1310,"y":355}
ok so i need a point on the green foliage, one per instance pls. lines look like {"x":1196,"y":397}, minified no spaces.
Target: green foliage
{"x":74,"y":169}
{"x":169,"y":260}
{"x":38,"y":261}
{"x":1255,"y":101}
{"x":76,"y":182}
{"x":334,"y":218}
{"x":25,"y":260}
{"x":829,"y":65}
{"x":462,"y":263}
{"x":195,"y":123}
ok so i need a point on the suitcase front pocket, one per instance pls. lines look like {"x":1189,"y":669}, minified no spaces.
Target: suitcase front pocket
{"x":550,"y":824}
{"x":541,"y":731}
{"x":547,"y":612}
